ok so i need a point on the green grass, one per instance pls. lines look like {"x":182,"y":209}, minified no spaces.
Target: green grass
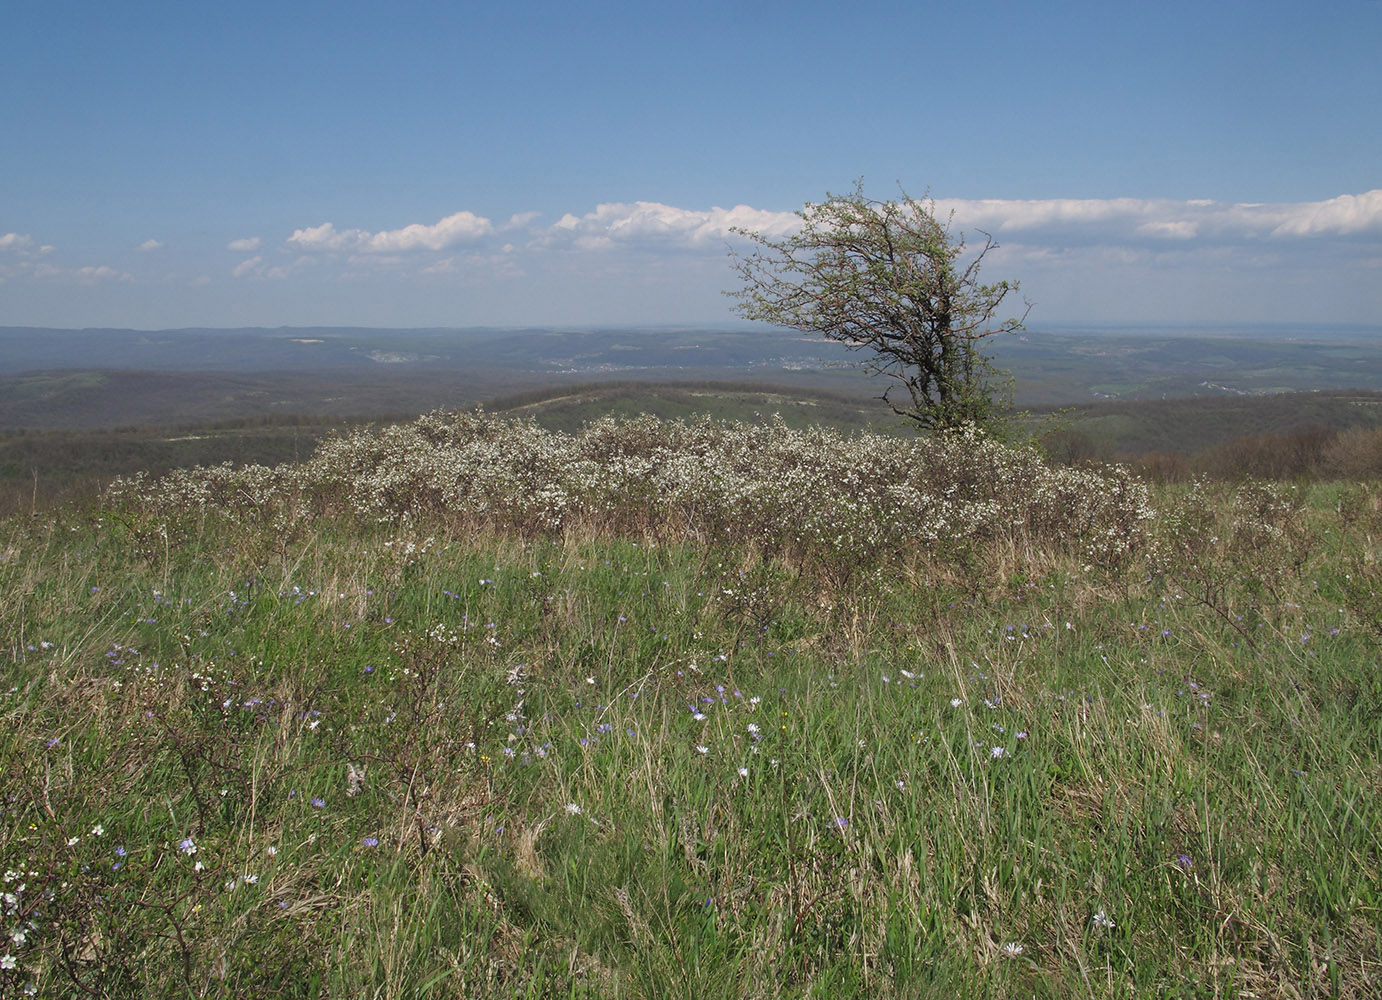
{"x":418,"y":757}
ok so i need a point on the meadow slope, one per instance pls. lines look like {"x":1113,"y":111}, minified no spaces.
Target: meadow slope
{"x":466,"y":707}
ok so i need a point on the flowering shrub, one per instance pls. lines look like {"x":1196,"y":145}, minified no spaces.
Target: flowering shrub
{"x":814,"y":495}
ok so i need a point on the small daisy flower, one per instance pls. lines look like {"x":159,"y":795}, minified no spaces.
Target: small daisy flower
{"x":572,"y":809}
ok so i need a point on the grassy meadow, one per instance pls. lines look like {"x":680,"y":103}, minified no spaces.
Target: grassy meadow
{"x":465,"y":707}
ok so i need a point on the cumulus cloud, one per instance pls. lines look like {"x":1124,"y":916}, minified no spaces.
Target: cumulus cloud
{"x":22,"y":245}
{"x":247,"y":245}
{"x":520,"y":219}
{"x":1341,"y":216}
{"x":458,"y":228}
{"x":255,"y":267}
{"x":1137,"y":222}
{"x":1179,"y":229}
{"x":101,"y":272}
{"x":149,"y":245}
{"x":1119,"y":219}
{"x":650,"y":222}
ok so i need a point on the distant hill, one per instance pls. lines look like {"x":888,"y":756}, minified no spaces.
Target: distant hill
{"x":102,"y":378}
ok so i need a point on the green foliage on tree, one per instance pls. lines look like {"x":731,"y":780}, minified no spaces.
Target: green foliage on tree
{"x":888,"y":279}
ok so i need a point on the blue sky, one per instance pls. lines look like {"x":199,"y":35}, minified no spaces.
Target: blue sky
{"x":457,"y":164}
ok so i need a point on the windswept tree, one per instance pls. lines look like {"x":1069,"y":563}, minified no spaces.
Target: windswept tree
{"x":886,"y":278}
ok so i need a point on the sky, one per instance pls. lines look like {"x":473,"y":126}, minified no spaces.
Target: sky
{"x":580,"y":164}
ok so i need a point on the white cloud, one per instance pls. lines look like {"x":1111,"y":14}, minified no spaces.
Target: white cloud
{"x":22,"y":245}
{"x":644,"y":222}
{"x":520,"y":219}
{"x":149,"y":245}
{"x":254,"y":267}
{"x":457,"y":228}
{"x":1137,"y":222}
{"x":1177,"y":230}
{"x":447,"y":265}
{"x":1341,"y":216}
{"x":101,"y":272}
{"x":247,"y":245}
{"x":1122,"y":219}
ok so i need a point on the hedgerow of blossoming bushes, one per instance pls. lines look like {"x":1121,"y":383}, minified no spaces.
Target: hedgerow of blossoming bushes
{"x":813,"y":495}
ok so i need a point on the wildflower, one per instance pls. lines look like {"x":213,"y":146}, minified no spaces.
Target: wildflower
{"x":8,"y":961}
{"x":188,"y":846}
{"x":572,"y":809}
{"x":1012,"y":949}
{"x":840,"y":822}
{"x":120,"y":851}
{"x":318,"y":803}
{"x":743,"y":772}
{"x":98,"y":830}
{"x":1184,"y":861}
{"x":955,"y":702}
{"x":996,"y":752}
{"x":1102,"y":919}
{"x":251,"y":879}
{"x":702,"y":749}
{"x":73,"y":841}
{"x":370,"y":842}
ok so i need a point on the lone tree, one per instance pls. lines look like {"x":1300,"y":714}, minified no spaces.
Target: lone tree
{"x":888,"y":278}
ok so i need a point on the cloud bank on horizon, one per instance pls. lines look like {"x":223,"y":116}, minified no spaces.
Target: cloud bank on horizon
{"x":1085,"y":255}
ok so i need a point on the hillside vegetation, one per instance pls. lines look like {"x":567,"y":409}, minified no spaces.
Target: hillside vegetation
{"x":1319,"y":435}
{"x":465,"y":707}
